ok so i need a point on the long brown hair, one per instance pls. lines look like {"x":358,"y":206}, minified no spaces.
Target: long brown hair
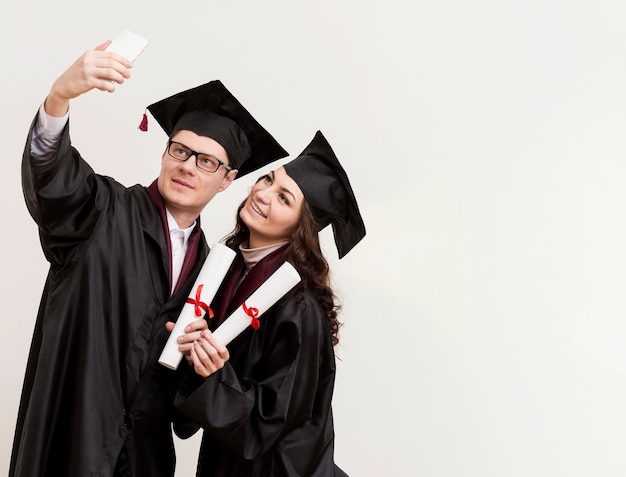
{"x":305,"y":254}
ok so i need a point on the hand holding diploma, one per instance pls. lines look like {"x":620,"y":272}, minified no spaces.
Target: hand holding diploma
{"x":207,"y":351}
{"x":202,"y":293}
{"x":208,"y":354}
{"x":193,"y":332}
{"x":203,"y":352}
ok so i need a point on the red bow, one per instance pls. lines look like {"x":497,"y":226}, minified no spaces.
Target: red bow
{"x":200,"y":304}
{"x":253,"y":313}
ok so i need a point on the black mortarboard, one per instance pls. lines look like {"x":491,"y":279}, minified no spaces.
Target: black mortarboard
{"x":327,"y":190}
{"x":211,"y":110}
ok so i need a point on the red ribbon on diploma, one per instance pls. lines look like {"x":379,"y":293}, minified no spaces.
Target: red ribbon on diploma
{"x":200,"y":304}
{"x":253,"y":313}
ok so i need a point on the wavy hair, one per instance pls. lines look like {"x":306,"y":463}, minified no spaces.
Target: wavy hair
{"x":305,"y":254}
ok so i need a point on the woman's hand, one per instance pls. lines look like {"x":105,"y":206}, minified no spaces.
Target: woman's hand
{"x":208,"y":354}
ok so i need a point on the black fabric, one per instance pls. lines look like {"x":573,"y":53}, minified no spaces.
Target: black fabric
{"x":226,"y":132}
{"x":248,"y":144}
{"x":93,"y":390}
{"x":268,"y":411}
{"x":327,"y":190}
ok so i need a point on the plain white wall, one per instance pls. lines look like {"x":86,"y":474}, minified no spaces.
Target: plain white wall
{"x":485,"y":310}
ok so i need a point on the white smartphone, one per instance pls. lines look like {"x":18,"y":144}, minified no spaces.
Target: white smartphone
{"x":128,"y":44}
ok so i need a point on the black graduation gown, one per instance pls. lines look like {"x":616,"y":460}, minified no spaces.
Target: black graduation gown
{"x":268,"y":411}
{"x":93,"y":388}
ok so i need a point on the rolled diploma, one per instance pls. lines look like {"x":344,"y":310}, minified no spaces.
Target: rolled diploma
{"x":275,"y":287}
{"x":210,"y":277}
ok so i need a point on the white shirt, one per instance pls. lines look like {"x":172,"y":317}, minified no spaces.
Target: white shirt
{"x":46,"y":137}
{"x":179,"y":239}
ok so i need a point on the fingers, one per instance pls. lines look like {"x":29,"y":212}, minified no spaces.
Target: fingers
{"x":197,"y":325}
{"x":193,"y":330}
{"x":103,"y":70}
{"x":94,"y":69}
{"x":215,"y":344}
{"x":103,"y":46}
{"x":121,"y":59}
{"x":192,"y":334}
{"x":208,"y":355}
{"x":198,"y":365}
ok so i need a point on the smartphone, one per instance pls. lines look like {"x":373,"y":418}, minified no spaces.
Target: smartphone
{"x":128,"y":44}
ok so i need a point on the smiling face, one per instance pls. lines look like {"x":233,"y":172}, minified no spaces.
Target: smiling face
{"x":272,"y":209}
{"x":186,"y":189}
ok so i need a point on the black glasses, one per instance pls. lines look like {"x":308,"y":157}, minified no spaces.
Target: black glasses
{"x":204,"y":162}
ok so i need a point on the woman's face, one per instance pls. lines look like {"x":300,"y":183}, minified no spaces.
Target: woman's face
{"x":273,"y":208}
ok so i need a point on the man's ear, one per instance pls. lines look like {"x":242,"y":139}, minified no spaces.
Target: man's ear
{"x":228,"y":180}
{"x":167,"y":143}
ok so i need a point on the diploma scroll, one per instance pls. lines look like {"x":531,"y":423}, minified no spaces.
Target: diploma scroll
{"x":275,"y":287}
{"x":204,"y":289}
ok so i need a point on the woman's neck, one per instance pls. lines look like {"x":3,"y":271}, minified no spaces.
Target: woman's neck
{"x":251,"y":256}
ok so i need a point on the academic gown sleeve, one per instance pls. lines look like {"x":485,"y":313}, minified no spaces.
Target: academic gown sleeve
{"x":66,"y":207}
{"x":273,"y":396}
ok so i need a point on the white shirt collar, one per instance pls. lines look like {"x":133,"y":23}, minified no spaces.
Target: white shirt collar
{"x":173,"y":226}
{"x":179,"y":240}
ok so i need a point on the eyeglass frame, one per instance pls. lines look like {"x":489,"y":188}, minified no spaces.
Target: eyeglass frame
{"x":196,"y":153}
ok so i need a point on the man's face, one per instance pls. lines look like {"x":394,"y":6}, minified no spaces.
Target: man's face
{"x":186,"y":189}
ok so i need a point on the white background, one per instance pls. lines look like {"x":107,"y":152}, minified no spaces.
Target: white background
{"x":485,"y":310}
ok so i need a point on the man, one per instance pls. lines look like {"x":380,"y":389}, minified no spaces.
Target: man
{"x":122,"y":262}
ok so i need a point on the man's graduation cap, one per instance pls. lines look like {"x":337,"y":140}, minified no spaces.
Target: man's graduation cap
{"x":326,"y":188}
{"x":211,"y":110}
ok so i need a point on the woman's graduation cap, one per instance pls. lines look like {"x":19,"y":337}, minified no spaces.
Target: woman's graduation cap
{"x":211,"y":110}
{"x":327,"y":190}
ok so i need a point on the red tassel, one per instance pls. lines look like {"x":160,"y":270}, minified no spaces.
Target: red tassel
{"x":143,"y":126}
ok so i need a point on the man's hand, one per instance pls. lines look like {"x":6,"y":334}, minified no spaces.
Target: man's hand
{"x":95,"y":69}
{"x":192,"y":334}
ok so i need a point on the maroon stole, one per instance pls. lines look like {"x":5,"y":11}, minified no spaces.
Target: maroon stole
{"x":194,"y":238}
{"x":230,"y":296}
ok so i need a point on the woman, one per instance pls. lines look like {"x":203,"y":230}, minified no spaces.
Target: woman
{"x":265,"y":401}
